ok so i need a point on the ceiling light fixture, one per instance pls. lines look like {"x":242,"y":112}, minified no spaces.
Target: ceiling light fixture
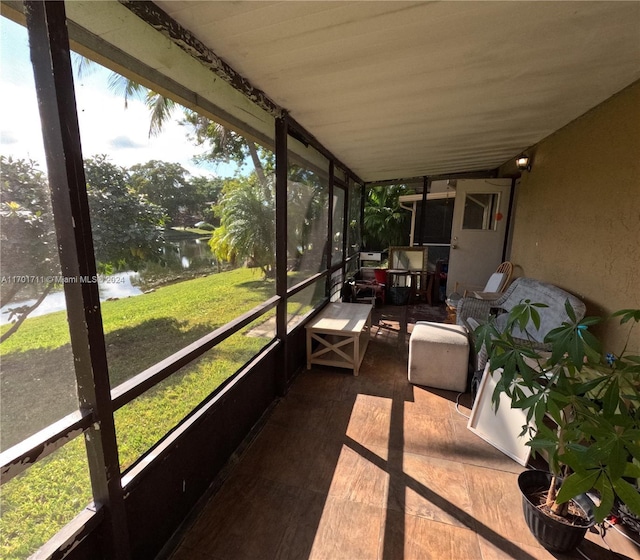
{"x":523,"y":163}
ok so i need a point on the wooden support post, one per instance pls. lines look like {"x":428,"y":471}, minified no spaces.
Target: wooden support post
{"x":49,"y":43}
{"x":426,"y":186}
{"x":282,"y":174}
{"x":329,"y":247}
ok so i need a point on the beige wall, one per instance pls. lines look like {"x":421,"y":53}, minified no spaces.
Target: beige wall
{"x":577,"y":212}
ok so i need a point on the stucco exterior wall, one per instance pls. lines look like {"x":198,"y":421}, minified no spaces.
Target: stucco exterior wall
{"x":577,"y":212}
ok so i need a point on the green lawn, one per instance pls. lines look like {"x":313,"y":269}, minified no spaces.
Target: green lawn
{"x":139,"y":332}
{"x":178,"y":232}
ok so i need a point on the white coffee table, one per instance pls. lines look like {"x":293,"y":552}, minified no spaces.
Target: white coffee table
{"x":342,"y":333}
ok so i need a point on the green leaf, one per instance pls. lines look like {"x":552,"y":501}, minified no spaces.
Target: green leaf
{"x":589,"y":385}
{"x":633,"y":447}
{"x":617,"y":462}
{"x":611,"y":398}
{"x":607,"y":498}
{"x":628,"y":315}
{"x":576,"y":484}
{"x":632,"y":470}
{"x":591,"y":321}
{"x":526,"y":402}
{"x":592,"y":348}
{"x":554,"y":410}
{"x":575,"y":350}
{"x":540,"y":411}
{"x":628,"y":494}
{"x":535,"y":318}
{"x":573,"y":457}
{"x":539,"y":443}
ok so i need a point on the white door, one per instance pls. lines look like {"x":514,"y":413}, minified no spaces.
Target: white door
{"x":477,"y":232}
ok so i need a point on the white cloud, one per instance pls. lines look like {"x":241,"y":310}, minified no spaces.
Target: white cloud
{"x":7,"y":137}
{"x":123,"y":142}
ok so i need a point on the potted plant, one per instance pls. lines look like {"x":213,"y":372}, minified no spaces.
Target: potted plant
{"x":583,"y":414}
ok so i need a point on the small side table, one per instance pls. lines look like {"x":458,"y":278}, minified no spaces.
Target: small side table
{"x":342,"y":333}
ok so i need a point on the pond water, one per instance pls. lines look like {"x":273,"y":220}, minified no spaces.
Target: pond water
{"x":178,"y":255}
{"x":188,"y":253}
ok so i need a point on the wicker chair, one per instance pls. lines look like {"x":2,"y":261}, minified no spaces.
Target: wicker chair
{"x":471,"y":311}
{"x":496,"y":284}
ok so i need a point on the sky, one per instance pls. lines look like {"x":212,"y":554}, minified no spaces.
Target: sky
{"x":106,"y":127}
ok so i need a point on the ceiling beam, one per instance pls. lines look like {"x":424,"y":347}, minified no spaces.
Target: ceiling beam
{"x":480,"y":174}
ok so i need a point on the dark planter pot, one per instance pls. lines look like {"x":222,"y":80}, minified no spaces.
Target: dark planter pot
{"x":550,"y":533}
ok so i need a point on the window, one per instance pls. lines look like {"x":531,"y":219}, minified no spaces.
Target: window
{"x":436,"y":227}
{"x":480,"y":210}
{"x":307,"y":211}
{"x":180,"y":250}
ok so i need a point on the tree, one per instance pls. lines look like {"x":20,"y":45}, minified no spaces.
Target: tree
{"x":225,"y":144}
{"x":247,"y":225}
{"x":166,"y":185}
{"x":307,"y":202}
{"x":385,"y":222}
{"x":207,"y":194}
{"x":127,"y":230}
{"x":126,"y":227}
{"x":28,"y":258}
{"x":186,"y":199}
{"x":28,"y":241}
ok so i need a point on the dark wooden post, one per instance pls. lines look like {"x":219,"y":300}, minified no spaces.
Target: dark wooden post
{"x":282,"y":173}
{"x":49,"y":43}
{"x":329,"y":251}
{"x":426,"y":186}
{"x":345,"y":229}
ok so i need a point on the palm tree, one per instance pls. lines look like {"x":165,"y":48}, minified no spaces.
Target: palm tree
{"x":225,"y":144}
{"x":247,"y":227}
{"x":385,"y":222}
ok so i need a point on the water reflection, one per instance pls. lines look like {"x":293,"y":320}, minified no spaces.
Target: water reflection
{"x":188,"y":253}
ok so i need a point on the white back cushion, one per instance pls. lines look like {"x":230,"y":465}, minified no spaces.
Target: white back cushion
{"x":495,"y":282}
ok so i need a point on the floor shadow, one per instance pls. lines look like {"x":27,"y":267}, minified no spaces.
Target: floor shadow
{"x":392,"y":553}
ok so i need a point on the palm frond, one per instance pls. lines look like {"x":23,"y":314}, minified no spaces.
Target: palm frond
{"x":161,"y":109}
{"x":125,"y":87}
{"x":82,"y":65}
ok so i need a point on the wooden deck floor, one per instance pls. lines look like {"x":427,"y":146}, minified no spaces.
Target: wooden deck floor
{"x":371,"y":467}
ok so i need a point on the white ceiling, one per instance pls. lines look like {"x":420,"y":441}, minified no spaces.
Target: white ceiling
{"x":402,"y":89}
